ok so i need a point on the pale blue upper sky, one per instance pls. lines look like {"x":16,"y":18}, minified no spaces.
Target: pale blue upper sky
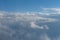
{"x":27,"y":5}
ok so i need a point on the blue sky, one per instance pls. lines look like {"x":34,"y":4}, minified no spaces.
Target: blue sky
{"x":27,"y":5}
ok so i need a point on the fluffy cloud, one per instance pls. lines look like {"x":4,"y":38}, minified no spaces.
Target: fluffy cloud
{"x":21,"y":26}
{"x":33,"y":17}
{"x":26,"y":17}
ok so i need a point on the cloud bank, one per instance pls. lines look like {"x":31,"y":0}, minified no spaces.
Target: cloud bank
{"x":24,"y":26}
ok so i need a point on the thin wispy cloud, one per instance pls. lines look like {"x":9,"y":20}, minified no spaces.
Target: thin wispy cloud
{"x":51,"y":10}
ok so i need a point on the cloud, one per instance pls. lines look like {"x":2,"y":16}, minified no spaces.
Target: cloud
{"x":33,"y":17}
{"x":58,"y":38}
{"x":25,"y":17}
{"x":34,"y":25}
{"x":44,"y":37}
{"x":51,"y":10}
{"x":19,"y":25}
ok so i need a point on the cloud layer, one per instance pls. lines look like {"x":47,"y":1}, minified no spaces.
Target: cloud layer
{"x":24,"y":26}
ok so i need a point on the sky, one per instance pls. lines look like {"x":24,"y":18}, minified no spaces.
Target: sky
{"x":27,"y":5}
{"x":45,"y":25}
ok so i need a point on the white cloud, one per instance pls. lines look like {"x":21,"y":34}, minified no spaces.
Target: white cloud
{"x":34,"y":25}
{"x":24,"y":20}
{"x":26,"y":16}
{"x":51,"y":10}
{"x":33,"y":17}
